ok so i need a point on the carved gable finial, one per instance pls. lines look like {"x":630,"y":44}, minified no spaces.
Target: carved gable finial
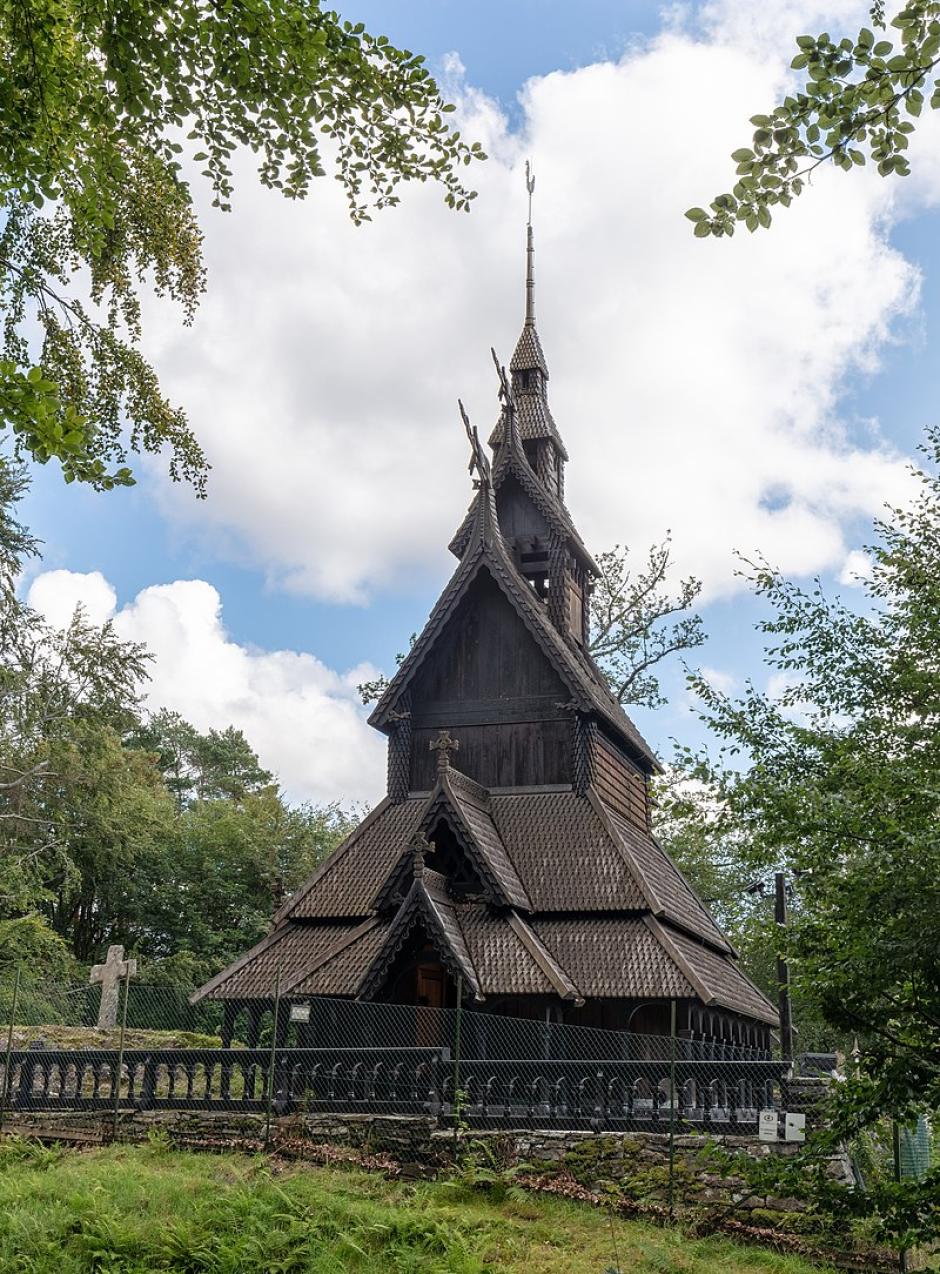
{"x":421,"y":847}
{"x":479,"y":463}
{"x":443,"y":745}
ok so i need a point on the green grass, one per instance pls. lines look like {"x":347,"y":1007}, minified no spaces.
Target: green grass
{"x":89,"y":1037}
{"x":136,"y":1210}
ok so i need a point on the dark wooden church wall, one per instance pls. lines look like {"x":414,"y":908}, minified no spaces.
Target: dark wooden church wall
{"x":489,"y":683}
{"x":620,"y":782}
{"x":518,"y":516}
{"x":500,"y":754}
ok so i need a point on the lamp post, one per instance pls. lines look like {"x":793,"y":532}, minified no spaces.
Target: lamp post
{"x":783,"y":970}
{"x":784,"y":1007}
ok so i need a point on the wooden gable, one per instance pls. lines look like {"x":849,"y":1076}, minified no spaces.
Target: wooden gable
{"x":492,"y":686}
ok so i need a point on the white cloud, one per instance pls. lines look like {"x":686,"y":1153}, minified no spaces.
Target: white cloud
{"x":303,"y":718}
{"x":697,"y":383}
{"x":855,"y":569}
{"x":719,"y":680}
{"x":56,"y":594}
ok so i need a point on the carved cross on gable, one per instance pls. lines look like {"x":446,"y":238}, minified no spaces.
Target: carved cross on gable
{"x":443,"y":745}
{"x":109,"y":975}
{"x":421,"y":847}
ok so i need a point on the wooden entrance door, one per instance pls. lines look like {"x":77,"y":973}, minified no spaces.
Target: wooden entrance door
{"x":430,"y":985}
{"x":429,"y":997}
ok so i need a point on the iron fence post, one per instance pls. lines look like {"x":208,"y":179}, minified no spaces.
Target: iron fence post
{"x":273,"y":1060}
{"x":896,"y":1146}
{"x":9,"y":1052}
{"x":457,"y":1029}
{"x":120,"y":1057}
{"x":672,"y":1107}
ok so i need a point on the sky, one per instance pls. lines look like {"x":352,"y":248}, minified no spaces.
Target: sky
{"x":761,"y":395}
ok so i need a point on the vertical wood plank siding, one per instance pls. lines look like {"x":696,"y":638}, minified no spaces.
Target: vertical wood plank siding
{"x":620,"y":783}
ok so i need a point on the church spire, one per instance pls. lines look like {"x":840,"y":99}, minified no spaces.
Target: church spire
{"x":528,"y":366}
{"x":529,"y":375}
{"x":530,"y":253}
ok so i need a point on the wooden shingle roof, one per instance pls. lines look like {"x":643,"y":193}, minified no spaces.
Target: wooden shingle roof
{"x":588,"y":905}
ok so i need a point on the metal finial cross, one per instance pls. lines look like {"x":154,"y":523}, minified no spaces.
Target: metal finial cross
{"x":478,"y":457}
{"x":421,"y":848}
{"x":530,"y":186}
{"x":443,"y":745}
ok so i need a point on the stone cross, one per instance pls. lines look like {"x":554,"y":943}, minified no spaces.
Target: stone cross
{"x":109,"y":975}
{"x":443,"y":745}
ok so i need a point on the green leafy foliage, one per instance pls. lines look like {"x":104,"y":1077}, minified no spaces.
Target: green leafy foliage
{"x":707,"y":843}
{"x":638,"y":622}
{"x":106,"y":116}
{"x":838,"y":780}
{"x":116,"y":827}
{"x":856,"y":105}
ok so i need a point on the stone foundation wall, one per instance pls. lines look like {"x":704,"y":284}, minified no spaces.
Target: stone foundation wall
{"x":636,"y":1162}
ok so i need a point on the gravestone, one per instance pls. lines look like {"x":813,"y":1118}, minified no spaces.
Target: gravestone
{"x":109,"y":975}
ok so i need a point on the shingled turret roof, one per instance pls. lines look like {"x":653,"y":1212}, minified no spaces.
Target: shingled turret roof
{"x":530,"y":368}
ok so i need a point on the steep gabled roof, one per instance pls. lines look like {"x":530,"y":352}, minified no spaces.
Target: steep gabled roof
{"x":511,"y":461}
{"x":465,"y":807}
{"x":429,"y":905}
{"x":471,"y":802}
{"x":495,"y":953}
{"x":535,"y":421}
{"x":611,"y":953}
{"x":288,"y":952}
{"x":486,"y":551}
{"x":715,"y":977}
{"x":669,"y":893}
{"x":345,"y":883}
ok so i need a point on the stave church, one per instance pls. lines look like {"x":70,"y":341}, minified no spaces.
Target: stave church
{"x":512,"y":860}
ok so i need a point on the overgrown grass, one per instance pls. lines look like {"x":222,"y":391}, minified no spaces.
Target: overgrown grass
{"x":136,"y":1210}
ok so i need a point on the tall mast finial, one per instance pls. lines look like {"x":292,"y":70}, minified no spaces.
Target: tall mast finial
{"x":530,"y":252}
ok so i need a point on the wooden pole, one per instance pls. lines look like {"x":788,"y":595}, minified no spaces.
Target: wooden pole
{"x":274,"y":1026}
{"x":120,"y":1056}
{"x":9,"y":1052}
{"x":783,"y":970}
{"x":672,"y":1107}
{"x":457,"y":1029}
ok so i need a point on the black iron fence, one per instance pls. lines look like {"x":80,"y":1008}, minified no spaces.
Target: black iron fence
{"x":615,"y":1094}
{"x":482,"y":1069}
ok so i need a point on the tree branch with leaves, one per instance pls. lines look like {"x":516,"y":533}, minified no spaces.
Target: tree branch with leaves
{"x":856,"y":105}
{"x":104,"y":114}
{"x":638,"y":621}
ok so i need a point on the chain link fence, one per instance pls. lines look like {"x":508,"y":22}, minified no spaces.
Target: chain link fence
{"x":474,"y":1068}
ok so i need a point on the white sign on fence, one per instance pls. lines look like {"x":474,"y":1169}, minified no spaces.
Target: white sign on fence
{"x":300,"y":1012}
{"x":767,"y":1125}
{"x":794,"y":1128}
